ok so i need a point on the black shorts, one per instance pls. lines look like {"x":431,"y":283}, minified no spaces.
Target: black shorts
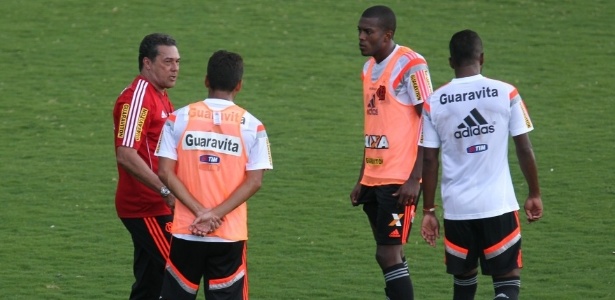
{"x":150,"y":237}
{"x":390,"y":221}
{"x":495,"y":241}
{"x":222,"y":266}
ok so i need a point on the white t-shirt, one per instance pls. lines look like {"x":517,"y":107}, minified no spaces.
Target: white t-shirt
{"x":470,"y":119}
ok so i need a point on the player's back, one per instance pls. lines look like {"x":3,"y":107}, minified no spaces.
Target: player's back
{"x":471,"y":117}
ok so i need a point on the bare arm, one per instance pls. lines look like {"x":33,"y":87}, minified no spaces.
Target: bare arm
{"x":208,"y":220}
{"x":527,"y":162}
{"x":129,"y":159}
{"x":356,"y":190}
{"x":430,"y":176}
{"x":209,"y":217}
{"x":166,"y":172}
{"x":246,"y":189}
{"x":409,"y":191}
{"x":430,"y":228}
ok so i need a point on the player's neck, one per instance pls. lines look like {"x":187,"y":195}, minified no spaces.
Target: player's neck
{"x":467,"y":71}
{"x":230,"y":96}
{"x":382,"y":56}
{"x":151,"y":80}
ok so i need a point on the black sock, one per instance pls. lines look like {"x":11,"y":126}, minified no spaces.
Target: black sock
{"x":464,"y":287}
{"x":403,"y":260}
{"x":398,"y":283}
{"x":507,"y":288}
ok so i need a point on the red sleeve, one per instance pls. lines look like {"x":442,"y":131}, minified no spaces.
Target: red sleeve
{"x":132,"y":117}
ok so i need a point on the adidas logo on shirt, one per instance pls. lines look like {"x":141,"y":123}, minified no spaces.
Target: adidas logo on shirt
{"x":371,"y":107}
{"x":473,"y":124}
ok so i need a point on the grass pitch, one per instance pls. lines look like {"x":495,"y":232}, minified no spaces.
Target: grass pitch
{"x":65,"y":62}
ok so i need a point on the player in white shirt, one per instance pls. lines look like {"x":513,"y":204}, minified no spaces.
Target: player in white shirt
{"x":471,"y":119}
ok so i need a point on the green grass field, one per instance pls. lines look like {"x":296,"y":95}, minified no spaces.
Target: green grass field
{"x":64,"y":62}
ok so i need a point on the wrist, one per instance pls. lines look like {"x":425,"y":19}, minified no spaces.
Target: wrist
{"x":413,"y":177}
{"x":429,"y":209}
{"x":164,"y":191}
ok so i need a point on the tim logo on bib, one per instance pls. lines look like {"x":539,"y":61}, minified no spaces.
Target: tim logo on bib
{"x":220,"y":143}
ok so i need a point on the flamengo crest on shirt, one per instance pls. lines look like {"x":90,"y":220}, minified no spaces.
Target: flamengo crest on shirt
{"x":220,"y":143}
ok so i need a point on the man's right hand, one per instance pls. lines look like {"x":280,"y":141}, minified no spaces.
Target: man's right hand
{"x":354,"y":195}
{"x":205,"y":223}
{"x":533,"y":208}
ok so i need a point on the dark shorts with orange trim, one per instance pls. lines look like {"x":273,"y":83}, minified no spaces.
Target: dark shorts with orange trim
{"x":495,"y":242}
{"x":222,"y":266}
{"x":390,"y":222}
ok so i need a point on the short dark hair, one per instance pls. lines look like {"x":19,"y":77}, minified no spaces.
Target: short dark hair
{"x":224,"y":70}
{"x":465,"y":47}
{"x":149,"y":46}
{"x":385,"y":15}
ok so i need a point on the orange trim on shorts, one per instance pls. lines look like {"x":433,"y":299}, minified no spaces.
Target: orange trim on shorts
{"x":241,"y":269}
{"x":507,"y":239}
{"x":520,"y":256}
{"x":181,"y":277}
{"x":407,"y":225}
{"x":157,"y":235}
{"x":244,"y":260}
{"x":459,"y":249}
{"x":230,"y":277}
{"x":503,"y":242}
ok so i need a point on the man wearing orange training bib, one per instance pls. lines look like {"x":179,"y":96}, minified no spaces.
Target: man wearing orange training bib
{"x":396,"y":81}
{"x":213,"y":154}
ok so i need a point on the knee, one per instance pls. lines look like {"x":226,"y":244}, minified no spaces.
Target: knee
{"x":513,"y":273}
{"x":472,"y":272}
{"x":382,"y":258}
{"x":387,"y":257}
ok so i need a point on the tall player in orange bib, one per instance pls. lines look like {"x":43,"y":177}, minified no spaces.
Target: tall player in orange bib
{"x":396,"y":81}
{"x":143,"y":203}
{"x":471,"y":119}
{"x":213,"y":154}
